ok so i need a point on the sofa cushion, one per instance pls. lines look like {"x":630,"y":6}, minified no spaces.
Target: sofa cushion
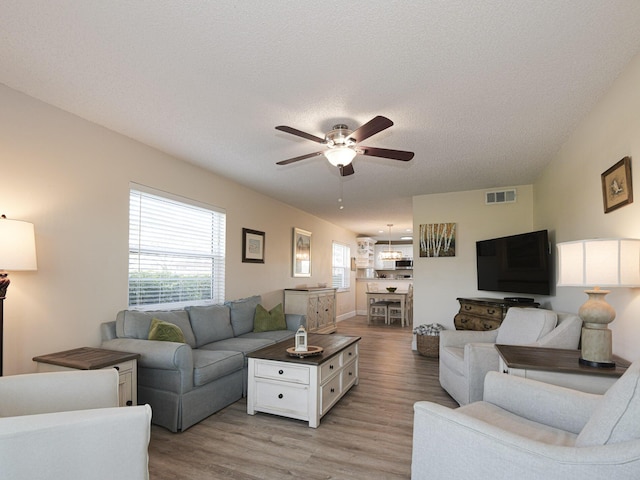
{"x":239,"y":344}
{"x":136,"y":324}
{"x":210,"y":323}
{"x":522,"y":326}
{"x":165,"y":332}
{"x":617,"y":418}
{"x":210,"y":365}
{"x":273,"y":335}
{"x":266,"y":321}
{"x":242,"y":312}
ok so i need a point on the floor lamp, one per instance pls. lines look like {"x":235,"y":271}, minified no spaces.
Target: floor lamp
{"x":17,"y":253}
{"x":609,"y":262}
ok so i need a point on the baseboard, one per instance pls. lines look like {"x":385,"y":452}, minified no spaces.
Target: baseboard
{"x":344,"y":316}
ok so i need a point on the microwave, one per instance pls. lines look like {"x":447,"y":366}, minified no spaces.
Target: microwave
{"x":404,"y":264}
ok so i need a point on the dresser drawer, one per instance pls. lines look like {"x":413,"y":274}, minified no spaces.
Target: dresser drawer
{"x":282,"y":372}
{"x":283,"y":398}
{"x":350,"y":353}
{"x":466,"y":322}
{"x":487,"y":311}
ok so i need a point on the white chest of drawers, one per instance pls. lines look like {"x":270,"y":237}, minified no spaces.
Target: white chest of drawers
{"x":302,"y":388}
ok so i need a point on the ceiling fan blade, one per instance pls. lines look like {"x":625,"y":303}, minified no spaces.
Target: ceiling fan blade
{"x":385,"y":153}
{"x":301,"y":157}
{"x":347,"y":170}
{"x":300,"y":133}
{"x":370,"y":128}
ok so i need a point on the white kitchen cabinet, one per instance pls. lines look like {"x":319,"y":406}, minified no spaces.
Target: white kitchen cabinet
{"x":365,"y":253}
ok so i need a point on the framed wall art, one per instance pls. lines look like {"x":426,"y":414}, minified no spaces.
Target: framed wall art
{"x":438,"y":240}
{"x":301,"y":253}
{"x":252,"y":246}
{"x":617,"y":190}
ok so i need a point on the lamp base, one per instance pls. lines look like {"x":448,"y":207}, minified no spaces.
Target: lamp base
{"x":591,"y":363}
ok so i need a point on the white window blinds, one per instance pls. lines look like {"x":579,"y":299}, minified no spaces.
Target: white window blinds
{"x":176,"y":252}
{"x":341,"y":278}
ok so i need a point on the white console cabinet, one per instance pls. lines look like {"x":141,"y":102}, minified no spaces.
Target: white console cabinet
{"x":318,"y":304}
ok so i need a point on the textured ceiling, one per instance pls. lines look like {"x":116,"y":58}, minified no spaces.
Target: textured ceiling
{"x":484,"y":92}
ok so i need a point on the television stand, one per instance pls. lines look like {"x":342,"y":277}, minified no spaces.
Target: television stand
{"x":484,"y":313}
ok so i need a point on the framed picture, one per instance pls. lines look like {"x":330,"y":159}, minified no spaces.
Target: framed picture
{"x":617,"y":190}
{"x":438,"y":240}
{"x":252,"y":246}
{"x":301,"y":253}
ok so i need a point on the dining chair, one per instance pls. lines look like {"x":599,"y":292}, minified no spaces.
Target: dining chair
{"x":377,"y":308}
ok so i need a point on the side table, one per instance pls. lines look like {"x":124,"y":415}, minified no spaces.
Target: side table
{"x":88,"y":358}
{"x":558,"y":367}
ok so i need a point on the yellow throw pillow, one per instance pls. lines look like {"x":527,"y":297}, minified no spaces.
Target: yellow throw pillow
{"x":165,"y":332}
{"x":264,"y":321}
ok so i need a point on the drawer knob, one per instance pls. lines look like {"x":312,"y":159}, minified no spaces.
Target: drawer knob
{"x":117,"y":368}
{"x":280,"y":395}
{"x":350,"y":373}
{"x":490,"y":311}
{"x":350,"y":353}
{"x":467,"y":307}
{"x":280,"y":372}
{"x":330,"y":367}
{"x":129,"y":403}
{"x":333,"y":390}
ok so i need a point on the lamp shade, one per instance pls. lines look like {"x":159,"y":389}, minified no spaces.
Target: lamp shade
{"x":340,"y":155}
{"x":608,"y":262}
{"x":17,"y":245}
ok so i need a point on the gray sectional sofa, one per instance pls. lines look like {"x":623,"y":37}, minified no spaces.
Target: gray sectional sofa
{"x":186,"y":382}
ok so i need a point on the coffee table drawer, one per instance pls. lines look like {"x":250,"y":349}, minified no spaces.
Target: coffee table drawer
{"x":350,"y":353}
{"x":330,"y":368}
{"x":329,"y":393}
{"x":282,"y":372}
{"x":282,"y":398}
{"x":349,"y":374}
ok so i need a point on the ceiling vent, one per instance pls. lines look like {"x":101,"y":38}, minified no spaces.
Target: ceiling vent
{"x":500,"y":196}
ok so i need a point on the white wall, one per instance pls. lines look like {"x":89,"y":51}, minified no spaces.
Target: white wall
{"x":439,"y":281}
{"x":568,"y":196}
{"x":71,"y":179}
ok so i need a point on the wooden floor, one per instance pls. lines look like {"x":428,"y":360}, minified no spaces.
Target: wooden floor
{"x":366,"y":435}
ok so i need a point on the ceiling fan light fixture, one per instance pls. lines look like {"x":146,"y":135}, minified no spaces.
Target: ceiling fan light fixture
{"x":340,"y":155}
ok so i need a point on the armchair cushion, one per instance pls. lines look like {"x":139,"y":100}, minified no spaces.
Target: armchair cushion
{"x":523,"y":326}
{"x":617,"y":418}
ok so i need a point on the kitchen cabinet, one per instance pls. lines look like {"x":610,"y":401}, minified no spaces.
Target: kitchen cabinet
{"x":365,"y":253}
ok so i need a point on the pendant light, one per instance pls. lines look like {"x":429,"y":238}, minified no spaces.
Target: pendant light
{"x":390,"y":254}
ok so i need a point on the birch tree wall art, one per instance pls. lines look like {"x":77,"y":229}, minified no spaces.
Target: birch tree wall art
{"x":438,"y":240}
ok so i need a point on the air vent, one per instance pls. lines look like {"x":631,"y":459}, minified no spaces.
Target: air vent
{"x":500,"y":196}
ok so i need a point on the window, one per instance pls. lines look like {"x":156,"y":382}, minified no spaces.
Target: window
{"x":341,"y":267}
{"x":176,"y":251}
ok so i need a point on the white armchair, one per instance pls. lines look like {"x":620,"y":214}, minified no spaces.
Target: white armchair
{"x":526,"y":429}
{"x":68,"y":425}
{"x":466,"y":355}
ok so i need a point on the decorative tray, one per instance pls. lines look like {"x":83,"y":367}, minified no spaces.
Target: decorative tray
{"x":311,"y":351}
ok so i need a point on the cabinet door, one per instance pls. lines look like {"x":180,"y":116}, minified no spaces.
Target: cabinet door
{"x":312,"y":313}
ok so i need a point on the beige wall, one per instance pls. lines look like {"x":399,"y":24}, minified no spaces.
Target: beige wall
{"x":439,"y":281}
{"x":71,"y":179}
{"x":568,"y":196}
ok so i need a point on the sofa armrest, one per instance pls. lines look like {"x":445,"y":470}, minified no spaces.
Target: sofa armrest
{"x":294,"y":321}
{"x":100,"y":444}
{"x":155,"y":354}
{"x":458,"y":338}
{"x":540,"y":402}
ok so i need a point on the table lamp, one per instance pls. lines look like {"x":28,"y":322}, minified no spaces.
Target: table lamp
{"x":17,"y":253}
{"x":609,"y":262}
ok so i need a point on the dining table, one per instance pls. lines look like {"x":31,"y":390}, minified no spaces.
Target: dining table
{"x":384,"y":295}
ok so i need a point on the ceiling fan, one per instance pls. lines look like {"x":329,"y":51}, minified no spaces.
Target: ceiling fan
{"x":344,"y":144}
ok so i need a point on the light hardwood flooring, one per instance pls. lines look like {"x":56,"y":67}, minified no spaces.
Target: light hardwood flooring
{"x":366,"y":435}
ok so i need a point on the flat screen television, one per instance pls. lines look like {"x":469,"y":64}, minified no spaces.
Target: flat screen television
{"x":518,"y":263}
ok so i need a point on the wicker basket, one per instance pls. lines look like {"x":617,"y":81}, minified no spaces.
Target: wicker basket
{"x":428,"y":345}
